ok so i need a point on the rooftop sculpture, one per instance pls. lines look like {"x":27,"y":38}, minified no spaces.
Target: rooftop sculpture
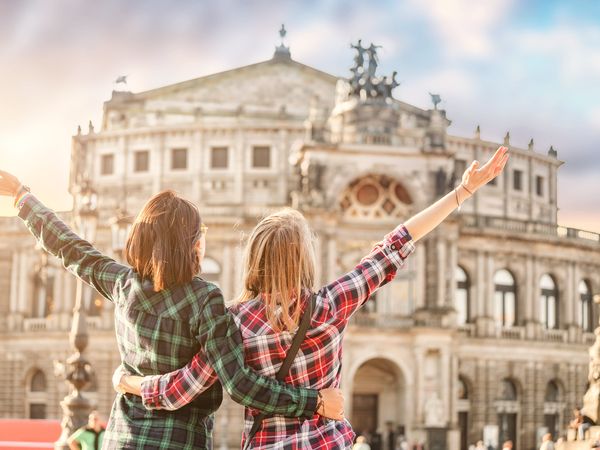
{"x":364,"y":82}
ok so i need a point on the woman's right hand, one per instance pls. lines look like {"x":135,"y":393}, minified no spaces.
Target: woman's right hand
{"x":333,"y":404}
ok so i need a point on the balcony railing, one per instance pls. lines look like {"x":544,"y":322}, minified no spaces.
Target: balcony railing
{"x":524,"y":226}
{"x":363,"y":319}
{"x":554,"y":335}
{"x":43,"y":324}
{"x":517,"y":333}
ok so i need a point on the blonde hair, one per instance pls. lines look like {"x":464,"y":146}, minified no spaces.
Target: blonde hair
{"x":279,"y":263}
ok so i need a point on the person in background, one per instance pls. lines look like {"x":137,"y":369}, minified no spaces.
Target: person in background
{"x":480,"y":446}
{"x":508,"y":445}
{"x":361,"y":444}
{"x":547,"y":442}
{"x":390,"y":436}
{"x":90,"y":436}
{"x":581,"y":423}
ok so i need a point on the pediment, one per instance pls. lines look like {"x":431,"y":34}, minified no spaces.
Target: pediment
{"x":267,"y":85}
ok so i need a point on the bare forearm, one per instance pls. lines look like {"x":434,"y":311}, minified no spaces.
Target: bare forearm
{"x":422,"y":223}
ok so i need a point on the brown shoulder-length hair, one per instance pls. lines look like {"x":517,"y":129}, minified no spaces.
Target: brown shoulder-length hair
{"x":279,"y":265}
{"x":161,"y":244}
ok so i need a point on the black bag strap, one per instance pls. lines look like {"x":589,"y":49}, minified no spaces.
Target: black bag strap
{"x":287,"y":362}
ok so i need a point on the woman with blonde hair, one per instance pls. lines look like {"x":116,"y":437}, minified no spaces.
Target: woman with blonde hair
{"x":279,"y":273}
{"x":164,"y":314}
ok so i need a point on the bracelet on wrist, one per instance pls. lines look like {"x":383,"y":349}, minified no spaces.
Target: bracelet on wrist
{"x":466,"y":189}
{"x":21,"y":193}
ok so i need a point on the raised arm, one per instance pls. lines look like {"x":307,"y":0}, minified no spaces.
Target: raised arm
{"x":473,"y":178}
{"x":78,"y":256}
{"x":346,"y":294}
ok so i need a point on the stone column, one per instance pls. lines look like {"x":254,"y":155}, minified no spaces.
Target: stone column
{"x":238,"y":160}
{"x":198,"y":150}
{"x":441,"y":270}
{"x":453,"y":263}
{"x":421,"y":287}
{"x":24,"y":288}
{"x":332,"y":271}
{"x":447,"y":383}
{"x":14,"y":282}
{"x":530,"y":298}
{"x":418,"y":391}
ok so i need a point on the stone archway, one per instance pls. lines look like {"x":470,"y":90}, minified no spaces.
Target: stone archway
{"x":379,"y":398}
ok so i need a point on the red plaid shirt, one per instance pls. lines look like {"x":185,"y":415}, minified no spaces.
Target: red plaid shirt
{"x":319,"y":360}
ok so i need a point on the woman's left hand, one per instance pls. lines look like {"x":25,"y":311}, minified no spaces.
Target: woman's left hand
{"x":9,"y":184}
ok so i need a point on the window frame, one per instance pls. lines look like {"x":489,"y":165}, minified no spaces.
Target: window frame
{"x":172,"y":159}
{"x":103,"y":158}
{"x":135,"y":168}
{"x":503,"y":290}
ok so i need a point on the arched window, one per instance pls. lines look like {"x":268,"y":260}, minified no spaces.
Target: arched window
{"x":585,"y":315}
{"x":553,"y":407}
{"x":375,"y":197}
{"x":37,"y":395}
{"x":548,"y":302}
{"x":463,"y":390}
{"x":552,"y":392}
{"x":505,"y":299}
{"x":43,"y":302}
{"x":508,"y":390}
{"x":211,"y":270}
{"x":38,"y":382}
{"x":463,"y":313}
{"x":463,"y":409}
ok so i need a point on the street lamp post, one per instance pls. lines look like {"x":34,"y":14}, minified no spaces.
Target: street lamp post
{"x":77,"y":370}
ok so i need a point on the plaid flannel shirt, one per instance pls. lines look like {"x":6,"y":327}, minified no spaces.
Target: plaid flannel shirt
{"x":317,"y":365}
{"x":158,"y":332}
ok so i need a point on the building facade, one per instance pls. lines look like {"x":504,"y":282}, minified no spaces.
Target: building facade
{"x":486,"y":330}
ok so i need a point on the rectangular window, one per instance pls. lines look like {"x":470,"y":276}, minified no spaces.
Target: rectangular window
{"x":261,"y":157}
{"x":37,"y":411}
{"x":518,"y":180}
{"x":539,"y":185}
{"x":219,"y":158}
{"x":179,"y":158}
{"x":107,"y":164}
{"x":141,"y":161}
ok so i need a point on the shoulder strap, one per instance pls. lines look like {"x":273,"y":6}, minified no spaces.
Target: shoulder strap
{"x":287,"y":362}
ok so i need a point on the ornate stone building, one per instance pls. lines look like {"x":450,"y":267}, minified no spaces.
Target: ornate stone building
{"x":488,"y":326}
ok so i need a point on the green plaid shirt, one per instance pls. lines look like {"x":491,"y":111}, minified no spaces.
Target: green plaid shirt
{"x":158,"y":332}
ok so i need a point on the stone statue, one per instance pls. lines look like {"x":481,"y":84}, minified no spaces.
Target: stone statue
{"x":591,"y":399}
{"x":434,"y":411}
{"x":359,"y":59}
{"x":282,"y":32}
{"x":373,"y":59}
{"x":435,"y":99}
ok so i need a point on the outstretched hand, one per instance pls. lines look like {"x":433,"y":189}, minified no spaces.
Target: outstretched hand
{"x":9,"y":184}
{"x":475,"y":176}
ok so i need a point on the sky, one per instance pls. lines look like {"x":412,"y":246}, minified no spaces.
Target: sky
{"x":528,"y":67}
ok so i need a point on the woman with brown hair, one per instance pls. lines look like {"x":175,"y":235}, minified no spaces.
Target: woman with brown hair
{"x":164,"y":314}
{"x":279,"y":273}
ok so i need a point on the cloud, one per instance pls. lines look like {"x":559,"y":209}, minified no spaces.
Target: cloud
{"x":574,"y":48}
{"x":465,"y":27}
